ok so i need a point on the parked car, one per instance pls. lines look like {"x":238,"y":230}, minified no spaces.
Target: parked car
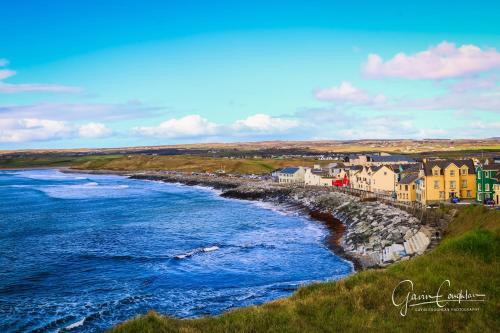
{"x":454,"y":200}
{"x":489,"y":202}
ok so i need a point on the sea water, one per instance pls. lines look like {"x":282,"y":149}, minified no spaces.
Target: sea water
{"x":81,"y":252}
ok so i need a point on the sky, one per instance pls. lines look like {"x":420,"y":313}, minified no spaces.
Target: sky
{"x":133,"y":73}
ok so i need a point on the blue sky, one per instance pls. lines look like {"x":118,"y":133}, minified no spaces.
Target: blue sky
{"x":122,"y":73}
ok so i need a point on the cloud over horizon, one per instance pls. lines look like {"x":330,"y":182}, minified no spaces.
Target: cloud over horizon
{"x":32,"y":129}
{"x":443,"y":61}
{"x":347,"y":93}
{"x":196,"y":126}
{"x":11,"y":88}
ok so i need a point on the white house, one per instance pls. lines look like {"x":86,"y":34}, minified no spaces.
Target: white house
{"x":291,"y":175}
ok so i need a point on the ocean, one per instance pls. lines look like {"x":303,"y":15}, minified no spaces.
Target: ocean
{"x":82,"y":252}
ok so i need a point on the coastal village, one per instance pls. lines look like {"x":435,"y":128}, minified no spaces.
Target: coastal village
{"x":427,"y":182}
{"x":381,"y":208}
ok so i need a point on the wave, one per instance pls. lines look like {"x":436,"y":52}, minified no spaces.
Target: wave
{"x":85,"y":191}
{"x":47,"y":175}
{"x":285,"y":210}
{"x":196,"y":251}
{"x":75,"y":325}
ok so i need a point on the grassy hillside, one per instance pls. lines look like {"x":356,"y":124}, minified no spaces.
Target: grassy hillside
{"x":468,"y":256}
{"x":191,"y":163}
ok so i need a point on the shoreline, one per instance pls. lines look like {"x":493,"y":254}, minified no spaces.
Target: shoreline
{"x":367,"y":234}
{"x":335,"y":226}
{"x":336,"y":230}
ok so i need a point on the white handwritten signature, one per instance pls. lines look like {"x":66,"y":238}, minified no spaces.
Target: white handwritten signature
{"x":440,"y":298}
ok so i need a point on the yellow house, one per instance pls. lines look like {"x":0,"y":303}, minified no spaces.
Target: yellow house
{"x":406,"y":188}
{"x":383,"y":179}
{"x":445,"y":179}
{"x":361,"y":180}
{"x":352,"y":173}
{"x":496,"y":194}
{"x":317,"y":177}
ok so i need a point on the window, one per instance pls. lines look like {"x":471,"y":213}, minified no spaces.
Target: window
{"x":479,"y":197}
{"x":468,"y":194}
{"x":479,"y":187}
{"x":436,"y":184}
{"x":464,"y":171}
{"x":441,"y":195}
{"x":486,"y":187}
{"x":452,"y":173}
{"x":435,"y":172}
{"x":464,"y":183}
{"x":453,"y":184}
{"x":479,"y":174}
{"x":413,"y":186}
{"x":406,"y":187}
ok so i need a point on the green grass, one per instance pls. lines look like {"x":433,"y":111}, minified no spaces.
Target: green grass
{"x":468,"y":256}
{"x":186,"y":163}
{"x":191,"y":163}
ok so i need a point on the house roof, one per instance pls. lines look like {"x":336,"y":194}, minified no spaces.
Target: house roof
{"x":289,"y":170}
{"x":376,"y":168}
{"x":336,"y":165}
{"x":390,"y":158}
{"x":356,"y":167}
{"x":491,"y":166}
{"x":409,"y":179}
{"x":411,"y":167}
{"x":443,"y":164}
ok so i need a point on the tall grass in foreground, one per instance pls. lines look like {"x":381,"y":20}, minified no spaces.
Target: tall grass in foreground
{"x":468,"y":257}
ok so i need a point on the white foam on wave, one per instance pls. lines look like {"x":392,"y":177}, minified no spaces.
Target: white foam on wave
{"x":196,"y":187}
{"x":210,"y":248}
{"x":280,"y":209}
{"x":75,"y":325}
{"x":196,"y":251}
{"x":86,"y":190}
{"x":47,"y":175}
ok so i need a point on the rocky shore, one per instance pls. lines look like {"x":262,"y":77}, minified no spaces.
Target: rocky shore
{"x":370,"y":234}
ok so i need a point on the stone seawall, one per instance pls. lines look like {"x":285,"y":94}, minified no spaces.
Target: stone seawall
{"x":374,"y":234}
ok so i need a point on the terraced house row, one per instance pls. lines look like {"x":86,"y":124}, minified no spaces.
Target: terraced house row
{"x":407,"y":180}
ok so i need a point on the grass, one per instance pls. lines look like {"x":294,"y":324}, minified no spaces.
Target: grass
{"x":190,"y":163}
{"x":468,"y":256}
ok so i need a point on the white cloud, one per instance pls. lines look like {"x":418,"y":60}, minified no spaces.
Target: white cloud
{"x":23,"y":130}
{"x":379,"y":127}
{"x":488,"y":100}
{"x":265,"y":124}
{"x":81,"y":111}
{"x":474,"y":84}
{"x":35,"y":87}
{"x":195,"y":126}
{"x":18,"y":130}
{"x":94,"y":130}
{"x":5,"y":73}
{"x":439,"y":62}
{"x":348,"y":93}
{"x":9,"y":88}
{"x":185,"y":127}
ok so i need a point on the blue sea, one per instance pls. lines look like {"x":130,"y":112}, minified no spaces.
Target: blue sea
{"x":81,"y":252}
